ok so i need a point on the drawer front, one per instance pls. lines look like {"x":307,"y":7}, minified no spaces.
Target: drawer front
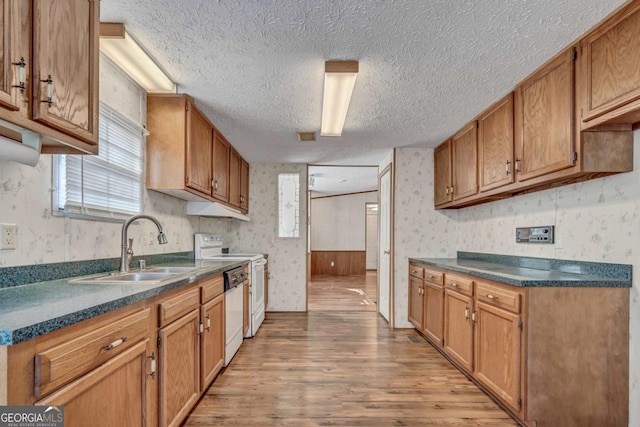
{"x":59,"y":364}
{"x":499,"y":296}
{"x":211,"y":288}
{"x":458,"y":283}
{"x":416,"y":271}
{"x":434,"y":276}
{"x":178,"y":306}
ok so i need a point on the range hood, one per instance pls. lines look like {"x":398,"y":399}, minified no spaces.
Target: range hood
{"x":214,"y":209}
{"x":26,"y":152}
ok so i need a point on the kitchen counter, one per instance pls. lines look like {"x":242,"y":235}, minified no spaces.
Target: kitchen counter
{"x":526,"y":271}
{"x":31,"y":310}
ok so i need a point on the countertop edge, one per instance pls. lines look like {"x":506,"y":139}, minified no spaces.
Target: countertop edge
{"x":26,"y":333}
{"x":587,"y":283}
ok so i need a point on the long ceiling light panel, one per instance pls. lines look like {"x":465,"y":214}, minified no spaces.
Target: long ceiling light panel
{"x":123,"y":50}
{"x":339,"y":80}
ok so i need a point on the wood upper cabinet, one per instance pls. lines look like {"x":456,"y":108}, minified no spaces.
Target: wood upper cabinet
{"x":213,"y":340}
{"x":495,"y":145}
{"x":545,"y":140}
{"x":179,"y":368}
{"x":433,"y":311}
{"x":65,"y":66}
{"x":610,"y":71}
{"x":442,"y":179}
{"x":221,"y":153}
{"x":199,"y":146}
{"x":111,"y":395}
{"x":498,"y":353}
{"x":464,"y":160}
{"x":416,"y":302}
{"x":234,"y":178}
{"x":15,"y":38}
{"x":458,"y":328}
{"x":244,"y":186}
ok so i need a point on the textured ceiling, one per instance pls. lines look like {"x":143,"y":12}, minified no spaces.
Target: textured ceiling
{"x":255,"y":67}
{"x":330,"y":180}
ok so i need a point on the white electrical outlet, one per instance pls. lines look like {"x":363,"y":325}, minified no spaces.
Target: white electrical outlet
{"x":152,"y":238}
{"x":8,"y":236}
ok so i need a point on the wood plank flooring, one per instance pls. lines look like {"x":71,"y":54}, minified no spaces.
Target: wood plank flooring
{"x":343,"y":293}
{"x":341,"y":369}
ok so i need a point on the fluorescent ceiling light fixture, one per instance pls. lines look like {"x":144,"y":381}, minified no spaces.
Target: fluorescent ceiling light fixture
{"x":339,"y":80}
{"x":127,"y":54}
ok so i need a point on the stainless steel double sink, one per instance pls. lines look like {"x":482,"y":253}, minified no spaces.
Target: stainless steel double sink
{"x":149,"y":276}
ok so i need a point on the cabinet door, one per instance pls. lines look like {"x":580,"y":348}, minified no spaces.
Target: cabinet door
{"x":244,"y":186}
{"x":65,"y":47}
{"x":546,"y":136}
{"x":464,"y":162}
{"x":497,"y":352}
{"x":458,"y":329}
{"x":111,"y":395}
{"x":199,"y":134}
{"x":416,"y":303}
{"x":495,"y":145}
{"x":221,"y":152}
{"x":234,"y":178}
{"x":433,"y":311}
{"x":611,"y":69}
{"x":442,"y":178}
{"x":15,"y":35}
{"x":212,"y":349}
{"x":179,"y":368}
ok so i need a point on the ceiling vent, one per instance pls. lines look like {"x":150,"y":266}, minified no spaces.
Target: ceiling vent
{"x":306,"y":136}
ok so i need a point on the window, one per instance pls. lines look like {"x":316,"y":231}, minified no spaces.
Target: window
{"x":289,"y":205}
{"x":108,"y":185}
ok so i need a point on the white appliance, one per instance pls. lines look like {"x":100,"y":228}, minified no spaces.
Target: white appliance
{"x":209,"y":247}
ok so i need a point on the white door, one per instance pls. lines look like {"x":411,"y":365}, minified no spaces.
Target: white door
{"x":384,"y":250}
{"x":371,"y":233}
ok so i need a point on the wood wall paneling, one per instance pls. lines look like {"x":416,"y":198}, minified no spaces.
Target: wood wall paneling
{"x":345,"y":263}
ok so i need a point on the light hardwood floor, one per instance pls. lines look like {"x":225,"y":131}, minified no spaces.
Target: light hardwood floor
{"x":343,"y":293}
{"x":341,"y":369}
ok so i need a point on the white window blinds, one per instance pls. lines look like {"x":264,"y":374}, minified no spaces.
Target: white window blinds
{"x":110,"y":184}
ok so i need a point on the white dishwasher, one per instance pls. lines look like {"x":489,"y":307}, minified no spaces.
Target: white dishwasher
{"x":233,"y":308}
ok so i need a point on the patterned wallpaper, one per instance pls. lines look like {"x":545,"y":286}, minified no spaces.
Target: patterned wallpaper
{"x":287,"y":256}
{"x":420,"y":230}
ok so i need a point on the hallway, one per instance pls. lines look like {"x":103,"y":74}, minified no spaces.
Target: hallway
{"x":343,"y":293}
{"x":341,"y":369}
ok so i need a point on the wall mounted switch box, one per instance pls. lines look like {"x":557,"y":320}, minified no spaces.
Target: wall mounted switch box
{"x":541,"y":234}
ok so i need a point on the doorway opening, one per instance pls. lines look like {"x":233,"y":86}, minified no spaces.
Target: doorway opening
{"x":342,"y":238}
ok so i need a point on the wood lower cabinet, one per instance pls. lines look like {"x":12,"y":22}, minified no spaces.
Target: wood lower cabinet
{"x":213,"y":340}
{"x":497,"y":352}
{"x":610,"y":72}
{"x":416,"y":302}
{"x":114,"y":394}
{"x":433,"y":311}
{"x":458,"y":328}
{"x":179,"y":357}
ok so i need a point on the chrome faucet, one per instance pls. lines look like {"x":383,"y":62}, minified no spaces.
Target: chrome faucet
{"x":127,"y":252}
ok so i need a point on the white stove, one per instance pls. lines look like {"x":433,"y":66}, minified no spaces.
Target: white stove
{"x":209,"y":247}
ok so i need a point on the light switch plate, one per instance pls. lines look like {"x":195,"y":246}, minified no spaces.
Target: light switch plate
{"x":8,"y":236}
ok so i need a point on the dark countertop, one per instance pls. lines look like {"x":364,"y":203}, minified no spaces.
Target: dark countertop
{"x":31,"y":310}
{"x":549,"y":272}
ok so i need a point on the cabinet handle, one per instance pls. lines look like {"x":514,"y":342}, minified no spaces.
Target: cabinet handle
{"x":452,"y":189}
{"x":432,"y":277}
{"x":413,"y":271}
{"x":454,"y":284}
{"x":446,"y":191}
{"x":22,"y":75}
{"x":507,"y":167}
{"x":208,"y":322}
{"x":214,"y":184}
{"x":466,"y":313}
{"x":492,"y":297}
{"x":201,"y":328}
{"x":114,"y":344}
{"x":518,"y":163}
{"x":473,"y":317}
{"x":152,"y":374}
{"x":49,"y":83}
